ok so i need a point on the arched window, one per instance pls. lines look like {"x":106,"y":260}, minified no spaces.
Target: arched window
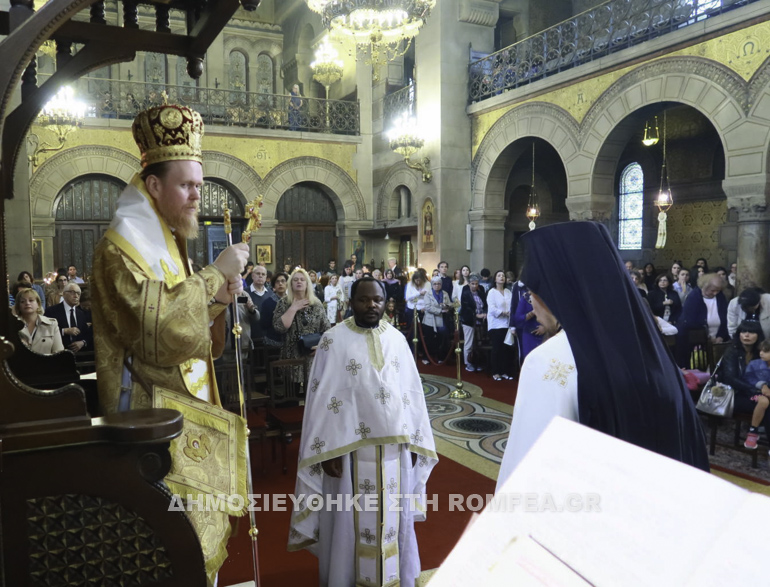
{"x":212,"y":239}
{"x":238,"y":78}
{"x":265,"y":80}
{"x":630,"y":208}
{"x":187,"y":93}
{"x":155,"y":69}
{"x":213,"y":197}
{"x":404,"y":202}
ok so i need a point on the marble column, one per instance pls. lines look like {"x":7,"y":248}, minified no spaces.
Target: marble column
{"x":753,"y":248}
{"x":442,"y":57}
{"x":747,"y":196}
{"x":487,"y":239}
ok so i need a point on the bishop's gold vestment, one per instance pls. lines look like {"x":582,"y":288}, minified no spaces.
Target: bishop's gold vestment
{"x":150,"y":309}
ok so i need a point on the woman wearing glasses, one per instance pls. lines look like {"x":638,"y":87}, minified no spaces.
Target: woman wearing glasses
{"x":56,"y":293}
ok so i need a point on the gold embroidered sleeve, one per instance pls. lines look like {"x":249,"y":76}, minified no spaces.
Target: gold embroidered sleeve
{"x":163,"y":325}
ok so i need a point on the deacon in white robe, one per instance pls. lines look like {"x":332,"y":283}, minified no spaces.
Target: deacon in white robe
{"x":365,"y":405}
{"x":547,"y":388}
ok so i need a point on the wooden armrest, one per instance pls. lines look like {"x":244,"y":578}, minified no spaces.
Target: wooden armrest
{"x":151,"y":426}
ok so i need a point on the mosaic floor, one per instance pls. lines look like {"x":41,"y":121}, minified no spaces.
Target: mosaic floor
{"x":472,"y":432}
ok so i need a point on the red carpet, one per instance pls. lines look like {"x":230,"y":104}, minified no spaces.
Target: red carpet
{"x":279,"y":568}
{"x":503,"y":391}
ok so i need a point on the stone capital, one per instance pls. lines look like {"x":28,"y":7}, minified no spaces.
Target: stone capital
{"x":591,"y":207}
{"x":749,"y":196}
{"x":351,"y":227}
{"x":488,"y":219}
{"x":481,"y":12}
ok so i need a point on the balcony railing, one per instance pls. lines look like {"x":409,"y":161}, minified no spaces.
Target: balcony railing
{"x":610,"y":27}
{"x":399,"y":102}
{"x":109,"y":98}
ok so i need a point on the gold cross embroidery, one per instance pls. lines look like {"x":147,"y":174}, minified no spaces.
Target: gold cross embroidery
{"x":558,"y":372}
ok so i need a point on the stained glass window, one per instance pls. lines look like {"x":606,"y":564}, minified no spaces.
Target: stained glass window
{"x":630,"y":212}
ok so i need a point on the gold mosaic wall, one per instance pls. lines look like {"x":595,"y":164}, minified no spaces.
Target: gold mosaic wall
{"x":693,"y":231}
{"x":261,"y":154}
{"x":743,"y":51}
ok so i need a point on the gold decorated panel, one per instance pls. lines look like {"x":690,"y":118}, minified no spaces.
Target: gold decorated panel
{"x":117,"y":138}
{"x":263,"y":154}
{"x":743,"y":51}
{"x":693,"y":232}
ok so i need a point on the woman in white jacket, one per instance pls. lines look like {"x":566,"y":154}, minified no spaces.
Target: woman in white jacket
{"x":498,"y":314}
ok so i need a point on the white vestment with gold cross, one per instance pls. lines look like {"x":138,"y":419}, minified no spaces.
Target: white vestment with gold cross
{"x":547,"y":388}
{"x":365,"y":404}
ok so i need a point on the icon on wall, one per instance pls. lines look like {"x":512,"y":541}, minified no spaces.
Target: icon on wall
{"x":265,"y":254}
{"x":428,"y":226}
{"x":358,"y":248}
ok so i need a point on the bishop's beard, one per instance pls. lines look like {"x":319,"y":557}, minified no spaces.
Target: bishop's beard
{"x":183,"y":223}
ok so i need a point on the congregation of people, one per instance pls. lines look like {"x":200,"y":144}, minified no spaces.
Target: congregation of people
{"x":499,"y":327}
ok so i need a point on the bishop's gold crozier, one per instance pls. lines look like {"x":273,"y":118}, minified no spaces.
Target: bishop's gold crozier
{"x":254,"y":223}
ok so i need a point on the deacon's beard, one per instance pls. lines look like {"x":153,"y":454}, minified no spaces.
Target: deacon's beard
{"x":183,"y":224}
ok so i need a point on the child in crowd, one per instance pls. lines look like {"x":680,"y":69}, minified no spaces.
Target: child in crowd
{"x":758,"y":370}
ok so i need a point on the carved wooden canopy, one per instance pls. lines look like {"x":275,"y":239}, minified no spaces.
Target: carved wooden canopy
{"x":101,"y":44}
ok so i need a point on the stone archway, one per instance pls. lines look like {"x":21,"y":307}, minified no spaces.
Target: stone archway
{"x":53,"y":175}
{"x":342,"y":189}
{"x":397,"y":176}
{"x":63,"y":167}
{"x":492,"y":162}
{"x":245,"y":182}
{"x":715,"y":91}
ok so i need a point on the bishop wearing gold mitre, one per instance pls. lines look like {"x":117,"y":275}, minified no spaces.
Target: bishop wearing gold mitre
{"x":152,"y":319}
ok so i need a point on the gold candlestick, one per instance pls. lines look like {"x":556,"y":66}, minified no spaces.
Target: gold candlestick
{"x":458,"y":392}
{"x":415,"y":326}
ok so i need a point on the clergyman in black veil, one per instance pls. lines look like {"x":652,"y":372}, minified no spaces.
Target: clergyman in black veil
{"x":605,"y":363}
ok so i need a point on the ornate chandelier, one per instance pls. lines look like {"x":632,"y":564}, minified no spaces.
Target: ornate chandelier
{"x":61,"y":115}
{"x":327,"y":69}
{"x":382,"y":29}
{"x":405,"y":140}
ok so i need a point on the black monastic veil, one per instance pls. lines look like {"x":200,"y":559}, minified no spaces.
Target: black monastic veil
{"x":628,"y":383}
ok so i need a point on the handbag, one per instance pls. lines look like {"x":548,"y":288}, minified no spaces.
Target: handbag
{"x":306,"y":343}
{"x":716,"y":399}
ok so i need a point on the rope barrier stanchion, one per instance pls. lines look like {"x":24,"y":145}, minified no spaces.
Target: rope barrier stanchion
{"x":427,"y":354}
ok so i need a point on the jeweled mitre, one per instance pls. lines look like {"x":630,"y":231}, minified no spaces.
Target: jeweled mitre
{"x":169,"y":133}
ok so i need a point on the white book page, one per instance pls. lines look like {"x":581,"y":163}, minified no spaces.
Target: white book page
{"x":738,"y":554}
{"x":651,"y":528}
{"x":645,"y":519}
{"x":521,"y":562}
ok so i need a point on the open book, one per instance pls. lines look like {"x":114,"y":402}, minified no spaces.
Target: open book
{"x":584,"y":508}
